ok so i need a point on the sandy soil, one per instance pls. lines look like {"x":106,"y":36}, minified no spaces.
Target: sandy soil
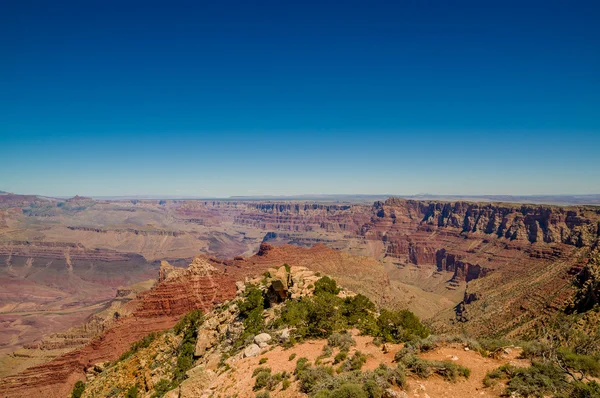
{"x":239,"y":380}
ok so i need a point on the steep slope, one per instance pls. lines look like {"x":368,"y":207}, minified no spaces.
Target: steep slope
{"x":203,"y":284}
{"x":273,"y":361}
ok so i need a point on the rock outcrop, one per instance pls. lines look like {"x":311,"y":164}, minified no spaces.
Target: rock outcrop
{"x":205,"y":283}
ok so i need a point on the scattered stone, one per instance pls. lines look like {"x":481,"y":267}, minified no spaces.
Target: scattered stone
{"x":285,"y":335}
{"x":211,"y":323}
{"x":263,"y":338}
{"x":195,"y":386}
{"x":240,"y":287}
{"x":252,"y":350}
{"x":389,"y":393}
{"x":195,"y":372}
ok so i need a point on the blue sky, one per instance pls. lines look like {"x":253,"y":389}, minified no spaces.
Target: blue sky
{"x":251,"y":98}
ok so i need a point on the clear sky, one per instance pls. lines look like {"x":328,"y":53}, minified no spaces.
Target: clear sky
{"x":219,"y":98}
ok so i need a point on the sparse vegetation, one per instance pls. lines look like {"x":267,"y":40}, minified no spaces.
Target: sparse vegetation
{"x":185,"y":358}
{"x":78,"y":389}
{"x":541,"y":379}
{"x":400,"y":326}
{"x":340,"y":356}
{"x":425,"y":368}
{"x":260,"y":369}
{"x":320,"y":381}
{"x":132,"y":392}
{"x":251,"y":309}
{"x":139,"y":345}
{"x":342,"y":340}
{"x":326,"y":285}
{"x":264,"y":379}
{"x":161,"y":388}
{"x":325,"y":314}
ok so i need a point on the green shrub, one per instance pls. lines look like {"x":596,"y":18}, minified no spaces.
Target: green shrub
{"x":251,"y":309}
{"x":534,"y":350}
{"x":349,"y":391}
{"x":185,"y":356}
{"x":397,"y":377}
{"x":541,"y":379}
{"x":357,"y":361}
{"x":357,"y":308}
{"x":261,"y":369}
{"x":139,"y":345}
{"x":263,"y":394}
{"x":583,"y":390}
{"x":191,"y":320}
{"x":325,"y":313}
{"x":286,"y":384}
{"x":132,"y":392}
{"x":262,"y":361}
{"x":586,"y":364}
{"x":340,"y":357}
{"x":451,"y":371}
{"x":78,"y":389}
{"x":492,"y":345}
{"x":292,"y":356}
{"x":400,"y":326}
{"x":161,"y":388}
{"x":341,"y":340}
{"x":301,"y":365}
{"x":372,"y":384}
{"x":310,"y":377}
{"x":503,"y":372}
{"x":372,"y":388}
{"x":326,"y":353}
{"x":425,"y":368}
{"x":274,"y":380}
{"x":326,"y":285}
{"x":262,"y":379}
{"x":538,"y":380}
{"x":316,"y":316}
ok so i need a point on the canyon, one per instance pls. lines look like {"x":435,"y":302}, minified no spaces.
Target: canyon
{"x":481,"y":268}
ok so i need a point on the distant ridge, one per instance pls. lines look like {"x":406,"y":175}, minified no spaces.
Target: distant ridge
{"x":565,"y":200}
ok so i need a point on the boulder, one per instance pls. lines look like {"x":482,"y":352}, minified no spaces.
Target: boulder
{"x":278,"y":290}
{"x":252,"y":350}
{"x":263,"y":338}
{"x":172,"y":394}
{"x":206,"y":339}
{"x":196,"y":385}
{"x":240,"y":287}
{"x":284,"y":335}
{"x":196,"y":371}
